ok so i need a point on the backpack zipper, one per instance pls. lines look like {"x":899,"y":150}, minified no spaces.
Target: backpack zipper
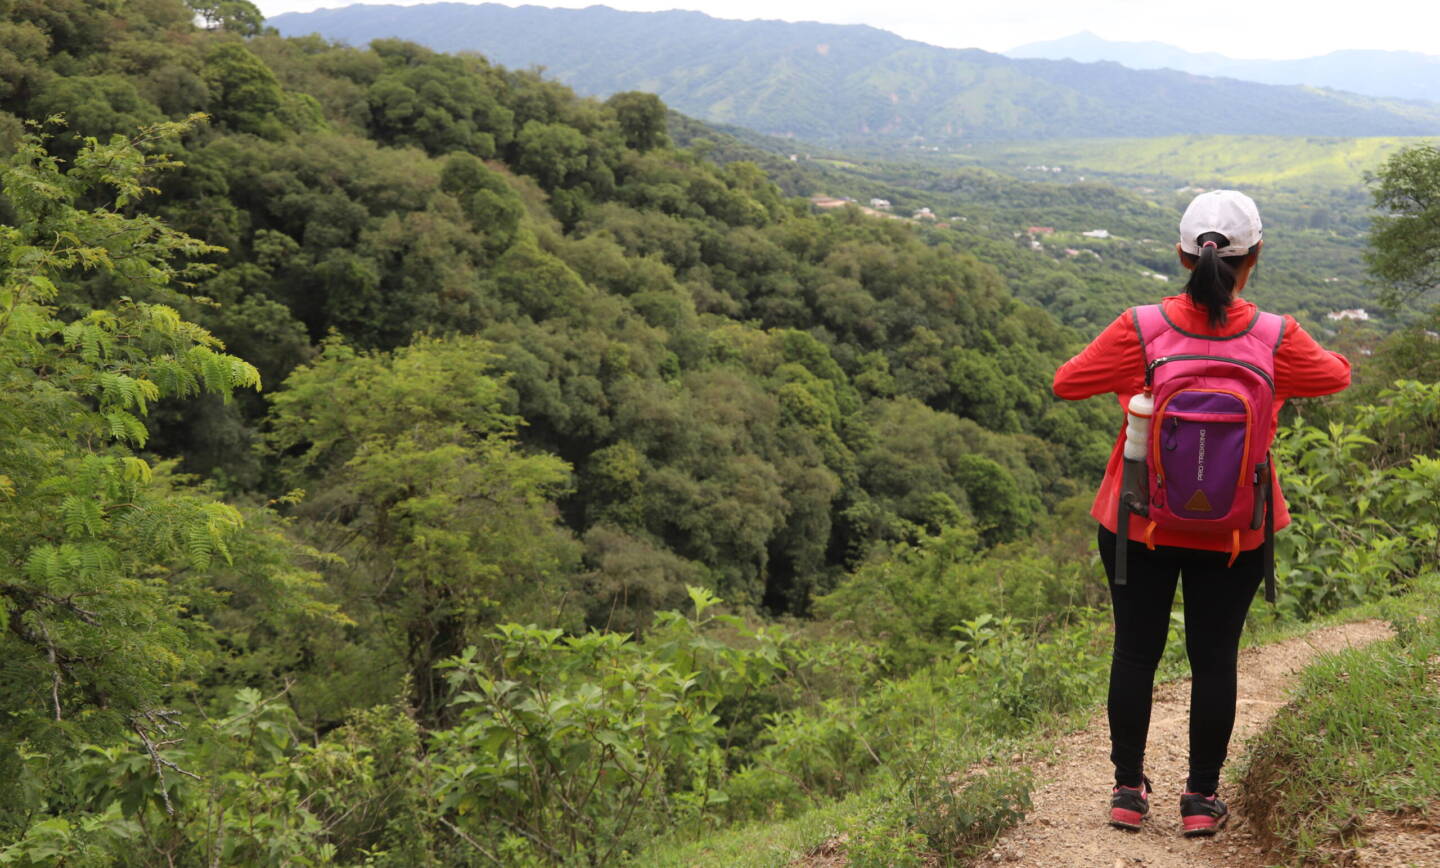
{"x":1150,"y":369}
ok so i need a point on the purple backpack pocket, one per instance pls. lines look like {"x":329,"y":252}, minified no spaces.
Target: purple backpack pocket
{"x":1200,"y":446}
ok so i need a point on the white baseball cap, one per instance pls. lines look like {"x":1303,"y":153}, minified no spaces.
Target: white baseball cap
{"x":1229,"y":212}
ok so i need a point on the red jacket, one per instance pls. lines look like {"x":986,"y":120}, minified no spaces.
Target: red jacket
{"x":1115,"y":362}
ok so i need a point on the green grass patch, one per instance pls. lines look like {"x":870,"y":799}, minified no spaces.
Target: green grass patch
{"x":926,"y":808}
{"x":1292,"y":162}
{"x":1361,"y":737}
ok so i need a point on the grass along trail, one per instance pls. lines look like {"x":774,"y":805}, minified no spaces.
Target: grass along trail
{"x":1068,"y":824}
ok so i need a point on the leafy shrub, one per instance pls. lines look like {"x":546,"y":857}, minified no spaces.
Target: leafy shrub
{"x":1364,"y":499}
{"x":581,"y":745}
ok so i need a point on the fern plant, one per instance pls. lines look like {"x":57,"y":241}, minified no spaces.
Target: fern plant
{"x":99,"y":552}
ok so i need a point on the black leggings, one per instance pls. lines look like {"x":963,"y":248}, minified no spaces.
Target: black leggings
{"x":1216,"y":599}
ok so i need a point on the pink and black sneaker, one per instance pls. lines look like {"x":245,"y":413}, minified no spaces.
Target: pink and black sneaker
{"x":1129,"y":805}
{"x":1201,"y":815}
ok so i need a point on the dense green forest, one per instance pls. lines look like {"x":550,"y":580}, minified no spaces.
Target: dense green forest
{"x":407,"y":461}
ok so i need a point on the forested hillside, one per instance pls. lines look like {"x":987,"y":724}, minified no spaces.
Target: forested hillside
{"x":508,"y":356}
{"x":407,"y":461}
{"x":856,"y":84}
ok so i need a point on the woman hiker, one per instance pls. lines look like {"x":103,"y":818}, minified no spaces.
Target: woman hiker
{"x":1220,"y":371}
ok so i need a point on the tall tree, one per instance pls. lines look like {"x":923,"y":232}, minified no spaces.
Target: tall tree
{"x":415,"y":477}
{"x":1405,"y":236}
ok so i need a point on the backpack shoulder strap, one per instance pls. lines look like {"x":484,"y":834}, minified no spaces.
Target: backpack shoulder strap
{"x":1149,"y":322}
{"x":1270,"y":328}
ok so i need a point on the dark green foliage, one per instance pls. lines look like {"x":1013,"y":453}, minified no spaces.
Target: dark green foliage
{"x":240,"y":17}
{"x":642,"y":119}
{"x":438,"y":103}
{"x":244,"y":94}
{"x":97,"y":105}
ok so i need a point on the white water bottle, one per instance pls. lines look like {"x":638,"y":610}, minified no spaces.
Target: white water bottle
{"x":1137,"y":427}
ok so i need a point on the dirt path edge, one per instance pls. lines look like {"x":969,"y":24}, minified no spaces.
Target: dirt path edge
{"x":1067,"y":823}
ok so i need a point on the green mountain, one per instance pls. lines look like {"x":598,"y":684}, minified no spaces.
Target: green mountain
{"x":846,"y":83}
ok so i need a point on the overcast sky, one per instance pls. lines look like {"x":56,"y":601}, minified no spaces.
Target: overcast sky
{"x":1278,"y":29}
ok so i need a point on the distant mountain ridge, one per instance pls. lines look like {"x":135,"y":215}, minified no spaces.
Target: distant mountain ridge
{"x":1395,"y":74}
{"x":857,"y":84}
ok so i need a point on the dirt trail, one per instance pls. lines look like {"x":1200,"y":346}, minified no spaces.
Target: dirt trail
{"x":1067,"y":826}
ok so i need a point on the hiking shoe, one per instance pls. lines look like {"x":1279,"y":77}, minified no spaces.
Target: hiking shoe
{"x":1129,"y":805}
{"x":1201,"y":815}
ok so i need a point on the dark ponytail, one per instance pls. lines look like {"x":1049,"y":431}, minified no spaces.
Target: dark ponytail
{"x":1212,"y":280}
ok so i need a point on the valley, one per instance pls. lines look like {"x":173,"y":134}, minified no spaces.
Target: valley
{"x":415,"y":456}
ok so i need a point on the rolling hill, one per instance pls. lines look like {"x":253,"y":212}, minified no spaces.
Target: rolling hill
{"x":1399,"y":74}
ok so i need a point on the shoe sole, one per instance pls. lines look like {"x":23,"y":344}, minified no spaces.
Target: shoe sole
{"x":1204,"y":831}
{"x":1123,"y":819}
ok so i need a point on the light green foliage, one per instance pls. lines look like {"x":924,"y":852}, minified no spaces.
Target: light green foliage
{"x":104,"y":553}
{"x":88,"y":840}
{"x":415,"y":477}
{"x":269,"y":797}
{"x":584,"y":745}
{"x":1315,"y":162}
{"x":1364,"y":494}
{"x":1405,"y":236}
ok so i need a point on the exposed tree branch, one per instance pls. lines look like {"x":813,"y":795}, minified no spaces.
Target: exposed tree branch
{"x":160,"y":720}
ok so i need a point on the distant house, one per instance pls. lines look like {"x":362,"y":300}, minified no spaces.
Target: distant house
{"x":924,"y":214}
{"x":1357,"y":313}
{"x":1041,"y":230}
{"x":882,"y":204}
{"x":1096,"y":233}
{"x":1070,"y":251}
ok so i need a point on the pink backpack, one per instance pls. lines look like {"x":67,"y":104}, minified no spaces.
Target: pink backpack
{"x":1208,"y":458}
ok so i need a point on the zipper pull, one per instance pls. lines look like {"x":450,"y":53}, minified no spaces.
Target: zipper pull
{"x":1170,"y":440}
{"x":1150,"y":370}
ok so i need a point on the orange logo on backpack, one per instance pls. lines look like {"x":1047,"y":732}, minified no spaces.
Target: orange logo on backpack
{"x":1198,"y":502}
